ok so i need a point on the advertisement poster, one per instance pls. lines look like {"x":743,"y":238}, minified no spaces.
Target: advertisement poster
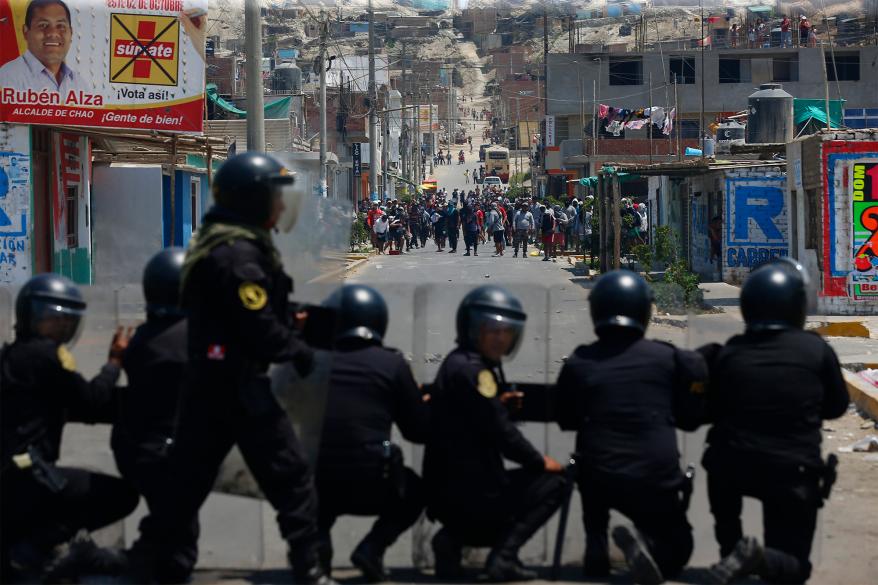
{"x":550,"y":131}
{"x":15,"y":217}
{"x":103,"y":63}
{"x":863,"y":280}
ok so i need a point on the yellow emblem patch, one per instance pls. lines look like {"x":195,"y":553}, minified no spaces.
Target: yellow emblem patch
{"x":68,"y":362}
{"x":487,"y":385}
{"x":253,"y":296}
{"x":697,"y":388}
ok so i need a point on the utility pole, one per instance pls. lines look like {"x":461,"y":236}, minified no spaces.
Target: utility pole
{"x":324,"y":31}
{"x":373,"y":108}
{"x":404,"y":117}
{"x":545,"y":64}
{"x":417,"y":141}
{"x":255,"y":108}
{"x":385,"y":139}
{"x":701,"y":115}
{"x":650,"y":127}
{"x":676,"y":122}
{"x":432,"y":153}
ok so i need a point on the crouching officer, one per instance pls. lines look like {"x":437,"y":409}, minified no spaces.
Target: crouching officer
{"x":626,"y":396}
{"x":770,"y":388}
{"x":235,"y":295}
{"x":44,"y":505}
{"x":478,"y":502}
{"x":149,"y":410}
{"x":371,"y":387}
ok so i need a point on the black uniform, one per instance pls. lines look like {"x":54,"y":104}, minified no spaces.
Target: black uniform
{"x":44,"y":505}
{"x":359,"y":471}
{"x":477,"y":500}
{"x":626,"y":396}
{"x":769,"y":393}
{"x":143,"y":441}
{"x":236,"y":299}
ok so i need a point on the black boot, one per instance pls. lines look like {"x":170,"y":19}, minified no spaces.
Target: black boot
{"x":369,"y":559}
{"x":447,"y":552}
{"x":306,"y":566}
{"x":83,"y":557}
{"x":504,"y":566}
{"x":643,"y":567}
{"x":747,"y":558}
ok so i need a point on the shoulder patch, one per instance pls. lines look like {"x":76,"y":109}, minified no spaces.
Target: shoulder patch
{"x":68,"y":362}
{"x":486,"y":385}
{"x":696,"y":388}
{"x":252,"y":296}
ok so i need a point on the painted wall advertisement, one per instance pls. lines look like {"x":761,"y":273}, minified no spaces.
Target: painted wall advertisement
{"x":863,"y":279}
{"x":756,"y":223}
{"x":15,"y":190}
{"x":103,"y":63}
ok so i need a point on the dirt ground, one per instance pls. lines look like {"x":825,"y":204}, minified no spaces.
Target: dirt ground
{"x":845,"y":547}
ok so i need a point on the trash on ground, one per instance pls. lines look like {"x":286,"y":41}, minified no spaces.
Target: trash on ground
{"x":868,"y":444}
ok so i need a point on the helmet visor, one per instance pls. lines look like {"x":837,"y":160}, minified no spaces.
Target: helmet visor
{"x":495,"y":335}
{"x":56,"y":321}
{"x":291,"y":197}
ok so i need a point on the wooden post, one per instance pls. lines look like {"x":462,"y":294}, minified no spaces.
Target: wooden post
{"x":615,"y":196}
{"x":602,"y":210}
{"x":209,"y":166}
{"x":172,"y":193}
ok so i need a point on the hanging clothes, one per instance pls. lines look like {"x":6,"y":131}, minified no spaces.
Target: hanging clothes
{"x":668,"y":126}
{"x":614,"y":128}
{"x":636,"y":124}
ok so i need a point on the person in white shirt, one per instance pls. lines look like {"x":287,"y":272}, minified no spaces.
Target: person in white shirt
{"x":382,"y":225}
{"x":48,"y":34}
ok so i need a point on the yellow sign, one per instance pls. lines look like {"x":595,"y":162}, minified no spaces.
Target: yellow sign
{"x":253,"y":296}
{"x":144,"y":49}
{"x":487,"y":385}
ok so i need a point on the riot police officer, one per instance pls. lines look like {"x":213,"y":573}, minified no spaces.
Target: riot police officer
{"x":235,"y":295}
{"x":478,"y":501}
{"x":626,"y":396}
{"x":770,"y":389}
{"x":149,"y":410}
{"x":371,"y":387}
{"x":45,"y":505}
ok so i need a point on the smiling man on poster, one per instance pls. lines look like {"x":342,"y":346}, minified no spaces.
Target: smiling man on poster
{"x":48,"y":33}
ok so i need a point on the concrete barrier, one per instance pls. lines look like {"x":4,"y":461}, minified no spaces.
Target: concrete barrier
{"x":863,"y":394}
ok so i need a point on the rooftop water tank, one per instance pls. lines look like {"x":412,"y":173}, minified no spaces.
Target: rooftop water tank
{"x":770,"y":115}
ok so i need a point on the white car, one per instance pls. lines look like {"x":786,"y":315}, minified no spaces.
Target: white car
{"x":493,"y":182}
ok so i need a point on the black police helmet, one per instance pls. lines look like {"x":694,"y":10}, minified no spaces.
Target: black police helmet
{"x":620,"y":298}
{"x":488,"y":305}
{"x":775,"y":297}
{"x":362,"y":312}
{"x":246,"y":185}
{"x":161,"y":283}
{"x":49,"y":305}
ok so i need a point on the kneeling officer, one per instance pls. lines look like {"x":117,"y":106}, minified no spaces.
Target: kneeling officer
{"x":626,"y":396}
{"x":40,"y":390}
{"x":478,"y":501}
{"x":770,"y":390}
{"x":359,"y":471}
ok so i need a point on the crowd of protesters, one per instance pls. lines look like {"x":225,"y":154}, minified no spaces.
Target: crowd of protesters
{"x":461,"y":220}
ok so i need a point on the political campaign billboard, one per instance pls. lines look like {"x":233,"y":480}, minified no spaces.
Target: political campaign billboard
{"x":103,"y":63}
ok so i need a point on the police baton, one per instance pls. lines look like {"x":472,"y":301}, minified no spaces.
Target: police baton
{"x":570,"y":473}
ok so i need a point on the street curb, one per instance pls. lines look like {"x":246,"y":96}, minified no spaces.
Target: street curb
{"x":338,"y":271}
{"x":863,"y":394}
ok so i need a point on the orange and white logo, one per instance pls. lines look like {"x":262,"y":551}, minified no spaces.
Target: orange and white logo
{"x":144,"y":49}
